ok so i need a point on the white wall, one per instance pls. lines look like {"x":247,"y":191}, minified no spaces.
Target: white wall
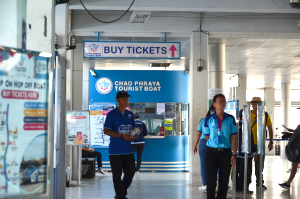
{"x":12,"y":13}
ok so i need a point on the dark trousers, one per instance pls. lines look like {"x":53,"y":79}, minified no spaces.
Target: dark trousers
{"x":240,"y":164}
{"x":93,"y":154}
{"x":139,"y":148}
{"x":257,"y":169}
{"x":215,"y":160}
{"x":119,"y":163}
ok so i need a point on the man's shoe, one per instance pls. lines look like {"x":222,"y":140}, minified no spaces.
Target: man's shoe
{"x":101,"y":171}
{"x":285,"y":185}
{"x":263,"y":187}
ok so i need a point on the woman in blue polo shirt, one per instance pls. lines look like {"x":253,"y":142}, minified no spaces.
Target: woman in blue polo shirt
{"x":221,"y":134}
{"x":200,"y":137}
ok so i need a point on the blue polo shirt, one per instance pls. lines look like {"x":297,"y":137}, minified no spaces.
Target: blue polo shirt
{"x":122,"y":124}
{"x":228,"y":128}
{"x":140,"y":139}
{"x":201,"y":129}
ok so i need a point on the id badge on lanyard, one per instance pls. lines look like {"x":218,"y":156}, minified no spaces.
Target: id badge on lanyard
{"x":219,"y":136}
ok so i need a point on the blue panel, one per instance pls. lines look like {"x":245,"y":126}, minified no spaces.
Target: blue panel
{"x":174,"y":86}
{"x":170,"y":149}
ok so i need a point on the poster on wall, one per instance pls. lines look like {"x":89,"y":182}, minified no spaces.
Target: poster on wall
{"x":212,"y":93}
{"x":23,"y":125}
{"x":98,"y":114}
{"x":232,"y":108}
{"x":168,"y":124}
{"x":78,"y":128}
{"x":170,"y":110}
{"x":160,"y":108}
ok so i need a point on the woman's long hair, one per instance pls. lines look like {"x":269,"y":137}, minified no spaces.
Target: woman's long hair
{"x":212,"y":108}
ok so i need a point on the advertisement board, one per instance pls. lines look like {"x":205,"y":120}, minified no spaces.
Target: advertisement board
{"x":98,"y":114}
{"x":78,"y":128}
{"x":23,"y":123}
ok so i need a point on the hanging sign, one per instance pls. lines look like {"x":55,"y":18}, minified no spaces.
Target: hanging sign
{"x":78,"y":127}
{"x":133,"y":50}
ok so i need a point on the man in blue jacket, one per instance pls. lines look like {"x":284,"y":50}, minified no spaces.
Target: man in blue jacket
{"x":139,"y":144}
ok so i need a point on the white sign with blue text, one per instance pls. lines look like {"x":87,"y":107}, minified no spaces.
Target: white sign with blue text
{"x":133,"y":50}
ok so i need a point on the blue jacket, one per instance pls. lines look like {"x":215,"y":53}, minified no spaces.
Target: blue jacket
{"x":253,"y":148}
{"x":144,"y":132}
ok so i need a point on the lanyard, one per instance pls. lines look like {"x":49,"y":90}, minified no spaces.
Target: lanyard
{"x":220,"y":124}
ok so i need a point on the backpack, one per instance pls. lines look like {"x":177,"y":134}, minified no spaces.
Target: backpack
{"x":292,"y":148}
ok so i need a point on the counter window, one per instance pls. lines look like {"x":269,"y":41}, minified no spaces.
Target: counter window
{"x":172,"y":116}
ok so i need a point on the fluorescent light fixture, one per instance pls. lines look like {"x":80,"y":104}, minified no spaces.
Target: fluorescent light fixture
{"x":140,"y":16}
{"x":45,"y":54}
{"x":286,"y":65}
{"x":297,"y":55}
{"x":182,"y":57}
{"x":280,"y":66}
{"x":160,"y":64}
{"x":233,"y":81}
{"x":274,"y":66}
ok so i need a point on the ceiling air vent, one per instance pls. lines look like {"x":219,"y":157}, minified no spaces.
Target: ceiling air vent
{"x":280,"y":66}
{"x":160,"y":64}
{"x":296,"y":55}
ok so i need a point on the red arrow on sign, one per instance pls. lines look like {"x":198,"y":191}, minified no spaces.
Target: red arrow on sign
{"x":173,"y":49}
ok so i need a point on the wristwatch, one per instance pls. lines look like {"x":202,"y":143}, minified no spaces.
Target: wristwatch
{"x":271,"y":142}
{"x":234,"y":155}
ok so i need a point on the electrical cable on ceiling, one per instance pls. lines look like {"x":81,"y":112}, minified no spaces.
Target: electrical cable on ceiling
{"x":107,"y":21}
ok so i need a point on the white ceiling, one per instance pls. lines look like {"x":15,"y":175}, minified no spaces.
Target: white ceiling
{"x":248,"y":57}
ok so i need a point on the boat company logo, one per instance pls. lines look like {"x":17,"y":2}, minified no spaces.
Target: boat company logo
{"x":104,"y":85}
{"x":21,"y":61}
{"x":94,"y":47}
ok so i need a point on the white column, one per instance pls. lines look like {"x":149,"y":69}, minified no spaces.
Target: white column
{"x":285,"y":103}
{"x":241,"y":92}
{"x":61,"y":29}
{"x":216,"y":68}
{"x":270,"y":102}
{"x":270,"y":108}
{"x":198,"y":100}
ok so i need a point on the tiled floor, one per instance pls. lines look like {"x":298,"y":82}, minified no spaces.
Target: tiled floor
{"x":175,"y":185}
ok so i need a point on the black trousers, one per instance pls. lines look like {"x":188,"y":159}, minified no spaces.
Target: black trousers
{"x":217,"y":160}
{"x":139,"y":148}
{"x":93,"y":154}
{"x":257,"y":174}
{"x":240,"y":163}
{"x":119,"y":163}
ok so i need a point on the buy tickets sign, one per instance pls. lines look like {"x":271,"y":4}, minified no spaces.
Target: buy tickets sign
{"x":133,"y":50}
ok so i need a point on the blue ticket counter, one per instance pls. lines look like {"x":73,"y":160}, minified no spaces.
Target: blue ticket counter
{"x":161,"y":154}
{"x":160,"y":98}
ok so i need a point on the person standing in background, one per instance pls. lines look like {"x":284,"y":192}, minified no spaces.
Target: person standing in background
{"x":200,"y":137}
{"x":139,"y":144}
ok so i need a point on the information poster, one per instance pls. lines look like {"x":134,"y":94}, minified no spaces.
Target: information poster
{"x":170,"y":110}
{"x":168,"y":124}
{"x":23,"y":125}
{"x":98,"y":114}
{"x":78,"y":128}
{"x":212,"y":93}
{"x":160,"y":108}
{"x":140,"y":107}
{"x":232,"y":108}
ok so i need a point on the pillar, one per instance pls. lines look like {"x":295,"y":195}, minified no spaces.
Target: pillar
{"x":270,"y":108}
{"x":270,"y":102}
{"x":198,"y":100}
{"x":216,"y":70}
{"x":241,"y":92}
{"x":61,"y":29}
{"x":285,"y":103}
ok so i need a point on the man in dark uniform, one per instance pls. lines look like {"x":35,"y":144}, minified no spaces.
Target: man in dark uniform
{"x":118,"y":125}
{"x":139,"y":144}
